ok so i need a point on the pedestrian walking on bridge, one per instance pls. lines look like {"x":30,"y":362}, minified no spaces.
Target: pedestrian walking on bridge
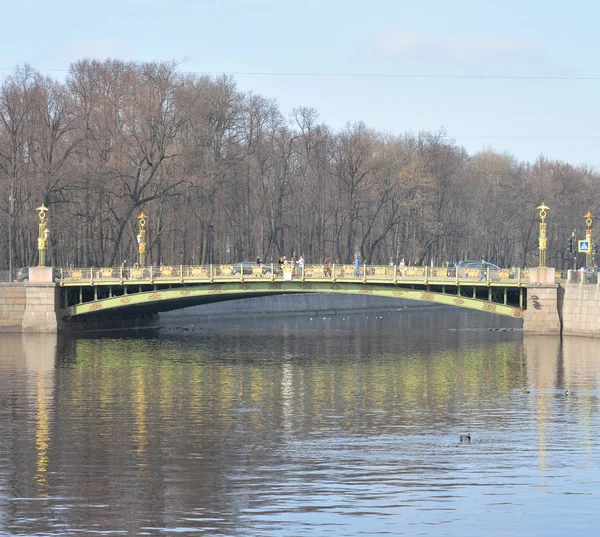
{"x":357,"y":267}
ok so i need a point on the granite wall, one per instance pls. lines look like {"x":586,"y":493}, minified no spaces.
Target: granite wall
{"x":12,"y":307}
{"x":581,"y":309}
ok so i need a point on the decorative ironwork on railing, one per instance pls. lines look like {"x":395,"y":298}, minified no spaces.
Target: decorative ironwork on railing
{"x":273,"y":272}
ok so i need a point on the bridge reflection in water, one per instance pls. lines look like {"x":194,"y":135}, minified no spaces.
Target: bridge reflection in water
{"x":90,"y":291}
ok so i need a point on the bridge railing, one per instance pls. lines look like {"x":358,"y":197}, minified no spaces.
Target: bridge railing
{"x":276,"y":272}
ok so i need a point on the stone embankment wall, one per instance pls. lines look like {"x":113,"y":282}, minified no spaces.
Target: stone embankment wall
{"x":580,"y":311}
{"x":28,"y":307}
{"x":296,"y":304}
{"x":12,"y":307}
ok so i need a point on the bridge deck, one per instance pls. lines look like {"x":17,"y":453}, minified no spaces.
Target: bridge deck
{"x":185,"y":274}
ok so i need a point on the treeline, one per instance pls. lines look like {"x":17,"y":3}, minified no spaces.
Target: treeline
{"x":225,"y":175}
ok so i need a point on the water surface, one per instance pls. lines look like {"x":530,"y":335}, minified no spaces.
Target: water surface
{"x":343,"y":426}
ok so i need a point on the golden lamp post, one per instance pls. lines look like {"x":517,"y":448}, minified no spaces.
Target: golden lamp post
{"x":43,"y":234}
{"x":141,"y":238}
{"x":543,"y":247}
{"x":589,"y":218}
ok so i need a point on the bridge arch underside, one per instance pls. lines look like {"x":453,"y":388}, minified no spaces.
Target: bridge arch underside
{"x":86,"y":302}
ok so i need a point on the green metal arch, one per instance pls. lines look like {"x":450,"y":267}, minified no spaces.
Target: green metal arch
{"x":162,"y":300}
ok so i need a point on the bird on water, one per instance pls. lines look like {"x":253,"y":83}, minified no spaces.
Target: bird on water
{"x":465,"y":437}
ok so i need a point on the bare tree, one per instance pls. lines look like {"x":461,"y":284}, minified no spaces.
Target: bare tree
{"x":226,"y":175}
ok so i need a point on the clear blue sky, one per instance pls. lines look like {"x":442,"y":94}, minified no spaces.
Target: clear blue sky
{"x":397,"y":65}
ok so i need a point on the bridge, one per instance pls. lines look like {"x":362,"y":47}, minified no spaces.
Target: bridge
{"x":65,"y":299}
{"x":94,"y":292}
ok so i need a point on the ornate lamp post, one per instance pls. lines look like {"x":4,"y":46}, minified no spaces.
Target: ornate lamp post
{"x":589,"y":218}
{"x":43,"y":235}
{"x":542,"y":239}
{"x":141,"y":238}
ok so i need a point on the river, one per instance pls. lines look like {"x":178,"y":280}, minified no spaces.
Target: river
{"x":346,"y":425}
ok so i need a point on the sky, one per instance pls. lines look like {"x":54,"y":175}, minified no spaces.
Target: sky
{"x":521,"y":77}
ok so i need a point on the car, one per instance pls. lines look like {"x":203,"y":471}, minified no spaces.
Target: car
{"x":248,"y":267}
{"x":478,"y":265}
{"x":589,"y":274}
{"x":23,"y":274}
{"x":471,"y":269}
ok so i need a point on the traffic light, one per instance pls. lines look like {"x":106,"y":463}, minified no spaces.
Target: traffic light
{"x":595,"y":250}
{"x":570,"y":244}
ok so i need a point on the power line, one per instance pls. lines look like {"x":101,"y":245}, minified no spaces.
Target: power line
{"x":546,"y":136}
{"x":368,"y":75}
{"x":402,"y":75}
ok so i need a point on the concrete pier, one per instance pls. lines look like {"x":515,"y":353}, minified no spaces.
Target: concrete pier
{"x":41,"y":308}
{"x":542,"y":315}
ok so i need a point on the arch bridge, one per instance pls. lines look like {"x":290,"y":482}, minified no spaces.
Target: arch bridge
{"x":88,"y":293}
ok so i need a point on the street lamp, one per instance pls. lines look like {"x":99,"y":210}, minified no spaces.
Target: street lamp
{"x":141,"y":239}
{"x":589,"y":217}
{"x":43,"y":234}
{"x":11,"y":204}
{"x":543,"y":241}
